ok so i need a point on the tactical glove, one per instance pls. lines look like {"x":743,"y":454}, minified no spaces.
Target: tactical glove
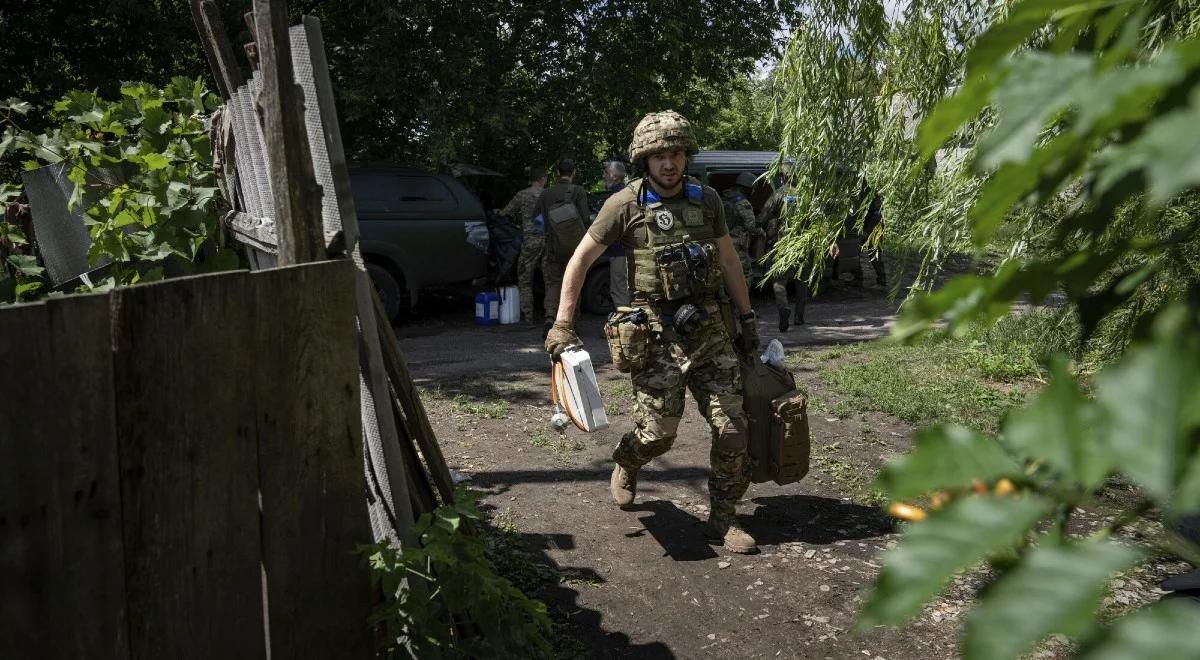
{"x":561,"y":335}
{"x":747,"y":342}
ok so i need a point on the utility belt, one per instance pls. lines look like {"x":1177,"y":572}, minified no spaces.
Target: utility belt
{"x":630,"y":329}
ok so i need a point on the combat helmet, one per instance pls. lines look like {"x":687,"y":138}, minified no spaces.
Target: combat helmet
{"x":660,"y":131}
{"x":746,"y":180}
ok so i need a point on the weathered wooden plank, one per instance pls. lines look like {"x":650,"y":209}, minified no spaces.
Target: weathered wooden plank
{"x":217,"y":47}
{"x":310,"y":461}
{"x":293,"y":184}
{"x":184,"y":352}
{"x":63,"y":593}
{"x":410,"y":403}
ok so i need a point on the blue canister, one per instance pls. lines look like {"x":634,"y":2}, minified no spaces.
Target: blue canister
{"x":487,"y":308}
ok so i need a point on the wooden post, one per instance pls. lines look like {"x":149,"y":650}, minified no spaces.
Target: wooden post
{"x":217,"y":47}
{"x":293,"y":184}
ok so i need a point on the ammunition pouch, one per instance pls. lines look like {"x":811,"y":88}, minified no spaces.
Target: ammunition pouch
{"x":687,"y":269}
{"x":628,"y":333}
{"x":731,"y":439}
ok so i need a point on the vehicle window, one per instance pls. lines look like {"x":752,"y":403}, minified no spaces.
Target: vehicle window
{"x":393,"y":193}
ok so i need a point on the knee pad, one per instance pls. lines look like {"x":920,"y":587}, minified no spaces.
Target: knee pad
{"x":731,"y":439}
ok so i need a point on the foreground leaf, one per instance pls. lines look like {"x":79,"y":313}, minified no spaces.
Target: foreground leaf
{"x":1165,"y":631}
{"x":1152,"y":399}
{"x":950,"y":540}
{"x":945,"y":457}
{"x":1059,"y":428}
{"x":1054,"y":590}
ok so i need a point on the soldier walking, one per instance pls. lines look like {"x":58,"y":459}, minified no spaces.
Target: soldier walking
{"x":563,"y":193}
{"x":739,"y":216}
{"x":674,"y":232}
{"x":772,"y":217}
{"x":618,"y":266}
{"x":533,"y":238}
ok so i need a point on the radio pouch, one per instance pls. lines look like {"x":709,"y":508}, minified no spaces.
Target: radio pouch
{"x":628,"y":335}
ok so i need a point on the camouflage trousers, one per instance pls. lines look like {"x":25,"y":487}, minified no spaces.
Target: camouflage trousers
{"x":779,"y":286}
{"x":534,"y":255}
{"x":705,"y":364}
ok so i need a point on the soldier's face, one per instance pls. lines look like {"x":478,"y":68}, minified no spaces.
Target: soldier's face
{"x":666,"y":167}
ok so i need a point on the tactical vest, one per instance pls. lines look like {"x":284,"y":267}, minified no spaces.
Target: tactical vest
{"x":659,"y":224}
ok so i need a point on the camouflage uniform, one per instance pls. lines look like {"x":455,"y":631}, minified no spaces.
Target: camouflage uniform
{"x":705,"y":364}
{"x":739,"y":216}
{"x":533,"y":245}
{"x":704,"y":361}
{"x":552,"y":263}
{"x":771,"y":218}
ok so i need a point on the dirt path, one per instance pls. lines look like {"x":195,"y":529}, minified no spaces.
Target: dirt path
{"x":644,"y":583}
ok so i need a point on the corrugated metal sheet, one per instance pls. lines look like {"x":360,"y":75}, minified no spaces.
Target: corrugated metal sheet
{"x":758,"y":160}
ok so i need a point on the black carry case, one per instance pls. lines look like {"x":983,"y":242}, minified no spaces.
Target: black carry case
{"x":777,"y":414}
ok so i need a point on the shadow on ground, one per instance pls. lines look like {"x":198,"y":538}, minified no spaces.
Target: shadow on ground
{"x":579,"y":629}
{"x":815,"y":520}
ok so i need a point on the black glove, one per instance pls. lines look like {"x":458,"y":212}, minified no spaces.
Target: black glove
{"x":747,"y":342}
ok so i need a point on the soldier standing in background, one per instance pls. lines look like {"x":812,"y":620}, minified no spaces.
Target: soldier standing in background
{"x":772,"y":217}
{"x":857,"y":240}
{"x":739,"y":217}
{"x":618,"y":265}
{"x":533,"y":238}
{"x":561,"y":193}
{"x":673,"y":230}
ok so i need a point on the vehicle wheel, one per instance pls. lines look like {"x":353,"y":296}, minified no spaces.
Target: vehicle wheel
{"x":597,"y":292}
{"x":391,"y":290}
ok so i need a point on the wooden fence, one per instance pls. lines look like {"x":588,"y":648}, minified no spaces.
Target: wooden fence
{"x":181,"y":471}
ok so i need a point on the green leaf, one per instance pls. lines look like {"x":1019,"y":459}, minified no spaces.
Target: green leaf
{"x":950,"y":540}
{"x":1163,"y":631}
{"x":1054,"y":589}
{"x":951,"y":113}
{"x":1038,"y":86}
{"x":26,"y":264}
{"x":1059,"y":427}
{"x":1151,"y":399}
{"x":26,"y":288}
{"x":16,"y":105}
{"x":945,"y":457}
{"x":155,"y":161}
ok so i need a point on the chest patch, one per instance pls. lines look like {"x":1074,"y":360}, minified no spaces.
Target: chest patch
{"x":664,"y":219}
{"x":692,"y":217}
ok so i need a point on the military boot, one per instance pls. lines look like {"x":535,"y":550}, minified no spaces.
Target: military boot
{"x":730,"y":533}
{"x":800,"y":313}
{"x":785,"y":315}
{"x":623,"y":485}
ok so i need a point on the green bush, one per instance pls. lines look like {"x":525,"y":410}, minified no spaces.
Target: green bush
{"x":443,"y":595}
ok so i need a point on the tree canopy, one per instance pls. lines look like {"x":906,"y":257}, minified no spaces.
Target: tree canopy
{"x":498,"y":83}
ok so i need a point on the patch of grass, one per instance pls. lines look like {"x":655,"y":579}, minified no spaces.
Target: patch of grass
{"x":855,"y":479}
{"x":1018,"y":345}
{"x":492,"y":410}
{"x":621,"y":389}
{"x":937,"y":381}
{"x":561,"y":445}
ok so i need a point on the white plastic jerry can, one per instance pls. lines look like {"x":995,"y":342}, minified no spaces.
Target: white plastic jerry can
{"x":579,"y":392}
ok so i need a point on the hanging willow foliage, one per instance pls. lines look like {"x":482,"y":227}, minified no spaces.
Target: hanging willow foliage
{"x":852,"y":86}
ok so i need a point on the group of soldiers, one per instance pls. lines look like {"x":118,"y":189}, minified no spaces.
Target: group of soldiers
{"x":686,"y":251}
{"x":752,"y":235}
{"x":531,"y":205}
